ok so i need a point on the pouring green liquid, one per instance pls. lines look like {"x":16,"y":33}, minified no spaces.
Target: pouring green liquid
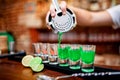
{"x":59,"y":38}
{"x":62,"y":51}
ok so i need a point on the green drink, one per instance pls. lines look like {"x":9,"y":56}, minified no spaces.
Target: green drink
{"x":74,"y":57}
{"x":63,"y":55}
{"x":62,"y":51}
{"x":74,"y":54}
{"x":87,"y":58}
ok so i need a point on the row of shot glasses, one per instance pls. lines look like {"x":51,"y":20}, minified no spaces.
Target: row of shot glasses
{"x":76,"y":56}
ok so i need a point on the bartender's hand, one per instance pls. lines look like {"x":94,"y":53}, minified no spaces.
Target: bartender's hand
{"x":63,"y":7}
{"x":84,"y":17}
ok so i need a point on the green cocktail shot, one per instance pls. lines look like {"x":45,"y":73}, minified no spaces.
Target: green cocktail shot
{"x":74,"y":58}
{"x":87,"y":58}
{"x":62,"y":51}
{"x":63,"y":55}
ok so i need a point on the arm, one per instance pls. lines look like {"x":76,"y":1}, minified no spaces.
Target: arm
{"x":86,"y":18}
{"x":93,"y":19}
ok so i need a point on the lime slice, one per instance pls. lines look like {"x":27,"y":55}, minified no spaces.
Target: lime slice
{"x":35,"y":61}
{"x":26,"y":60}
{"x":38,"y":67}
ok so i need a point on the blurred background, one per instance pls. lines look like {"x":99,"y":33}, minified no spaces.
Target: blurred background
{"x":23,"y":21}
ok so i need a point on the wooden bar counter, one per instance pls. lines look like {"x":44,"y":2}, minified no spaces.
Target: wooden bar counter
{"x":14,"y":70}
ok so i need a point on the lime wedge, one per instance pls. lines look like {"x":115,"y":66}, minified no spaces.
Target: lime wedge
{"x":26,"y":60}
{"x":38,"y":67}
{"x":35,"y":61}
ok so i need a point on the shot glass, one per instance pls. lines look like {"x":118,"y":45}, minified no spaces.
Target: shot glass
{"x":12,"y":47}
{"x":87,"y":58}
{"x":44,"y":52}
{"x":53,"y":54}
{"x":37,"y":49}
{"x":74,"y":56}
{"x":63,"y":54}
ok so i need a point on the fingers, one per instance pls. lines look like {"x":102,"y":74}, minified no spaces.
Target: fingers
{"x":63,"y":7}
{"x":47,"y":20}
{"x":52,"y":11}
{"x":48,"y":27}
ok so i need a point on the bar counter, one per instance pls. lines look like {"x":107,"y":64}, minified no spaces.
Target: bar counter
{"x":14,"y":70}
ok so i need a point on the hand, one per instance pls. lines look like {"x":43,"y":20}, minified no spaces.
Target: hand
{"x":63,"y":7}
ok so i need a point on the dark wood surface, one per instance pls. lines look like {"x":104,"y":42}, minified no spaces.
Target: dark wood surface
{"x":14,"y":70}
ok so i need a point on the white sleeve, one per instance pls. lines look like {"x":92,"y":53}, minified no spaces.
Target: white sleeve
{"x":115,"y":14}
